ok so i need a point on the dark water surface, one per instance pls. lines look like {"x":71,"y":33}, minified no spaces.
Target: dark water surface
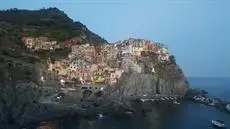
{"x":184,"y":116}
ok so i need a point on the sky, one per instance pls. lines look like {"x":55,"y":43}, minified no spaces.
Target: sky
{"x":197,"y":32}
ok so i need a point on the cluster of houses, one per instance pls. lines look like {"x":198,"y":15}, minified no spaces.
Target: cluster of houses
{"x":96,"y":64}
{"x":39,"y":43}
{"x":70,"y":43}
{"x":134,"y":47}
{"x":83,"y":72}
{"x":44,"y":43}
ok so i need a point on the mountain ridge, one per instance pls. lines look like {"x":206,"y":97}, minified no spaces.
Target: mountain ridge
{"x":50,"y":22}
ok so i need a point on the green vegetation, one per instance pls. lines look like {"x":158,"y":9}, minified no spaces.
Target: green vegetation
{"x":15,"y":32}
{"x":51,"y":22}
{"x":172,"y":59}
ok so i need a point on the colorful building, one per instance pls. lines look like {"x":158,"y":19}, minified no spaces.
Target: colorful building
{"x":39,"y":43}
{"x":98,"y":76}
{"x":78,"y":64}
{"x":85,"y":76}
{"x":70,"y":43}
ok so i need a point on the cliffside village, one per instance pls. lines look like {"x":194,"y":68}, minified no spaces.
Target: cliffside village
{"x":95,"y":64}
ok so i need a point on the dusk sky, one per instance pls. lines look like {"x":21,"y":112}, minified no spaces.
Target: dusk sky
{"x":196,"y":31}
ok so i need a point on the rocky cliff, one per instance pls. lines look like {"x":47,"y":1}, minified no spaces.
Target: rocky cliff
{"x":152,"y":74}
{"x":50,"y":64}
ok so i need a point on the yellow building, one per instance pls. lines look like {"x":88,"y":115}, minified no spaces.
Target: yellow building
{"x":98,"y":76}
{"x":137,"y":50}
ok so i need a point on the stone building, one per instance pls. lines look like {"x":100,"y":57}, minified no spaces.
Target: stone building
{"x":86,"y":77}
{"x":60,"y":68}
{"x":99,"y":76}
{"x":78,"y":64}
{"x":40,"y":43}
{"x":89,"y":54}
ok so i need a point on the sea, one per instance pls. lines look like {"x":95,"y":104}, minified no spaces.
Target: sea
{"x":184,"y":116}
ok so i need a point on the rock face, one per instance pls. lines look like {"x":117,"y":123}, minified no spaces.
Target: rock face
{"x":134,"y":84}
{"x":149,"y":74}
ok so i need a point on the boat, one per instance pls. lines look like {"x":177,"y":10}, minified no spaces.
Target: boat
{"x":129,"y":111}
{"x":100,"y":116}
{"x":152,"y":99}
{"x":211,"y":104}
{"x":162,"y":98}
{"x":143,"y":100}
{"x":166,"y":98}
{"x":175,"y":102}
{"x":218,"y":123}
{"x":228,"y":107}
{"x":202,"y":99}
{"x":194,"y":97}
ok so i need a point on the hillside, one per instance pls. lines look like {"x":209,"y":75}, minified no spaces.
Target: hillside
{"x":51,"y":22}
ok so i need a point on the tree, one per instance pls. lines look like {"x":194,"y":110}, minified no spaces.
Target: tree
{"x":172,"y":59}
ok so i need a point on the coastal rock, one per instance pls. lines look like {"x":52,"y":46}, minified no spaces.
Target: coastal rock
{"x":136,"y":85}
{"x":201,"y":96}
{"x":191,"y":93}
